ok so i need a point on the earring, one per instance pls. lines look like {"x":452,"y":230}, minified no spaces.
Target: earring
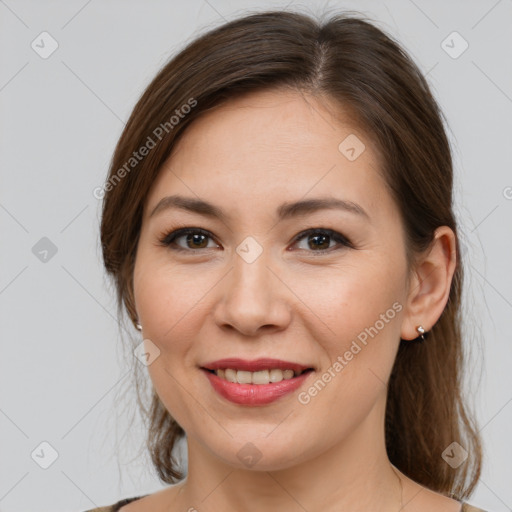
{"x":138,"y":326}
{"x":422,"y":333}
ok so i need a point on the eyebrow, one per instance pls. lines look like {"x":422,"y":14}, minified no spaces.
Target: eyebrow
{"x":285,"y":211}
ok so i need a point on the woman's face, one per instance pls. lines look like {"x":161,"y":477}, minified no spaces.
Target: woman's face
{"x":250,"y":283}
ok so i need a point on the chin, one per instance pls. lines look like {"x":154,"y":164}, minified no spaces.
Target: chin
{"x":260,"y":453}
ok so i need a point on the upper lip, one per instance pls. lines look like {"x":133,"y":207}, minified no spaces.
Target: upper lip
{"x":254,"y":365}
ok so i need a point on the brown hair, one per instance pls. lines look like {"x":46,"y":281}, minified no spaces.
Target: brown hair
{"x":351,"y":61}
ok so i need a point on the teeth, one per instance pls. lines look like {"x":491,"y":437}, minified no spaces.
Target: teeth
{"x":244,"y":377}
{"x":259,"y":377}
{"x":230,"y":375}
{"x":288,"y":374}
{"x":276,"y":375}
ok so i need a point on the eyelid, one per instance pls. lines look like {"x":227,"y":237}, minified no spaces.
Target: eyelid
{"x":334,"y":235}
{"x":168,"y":238}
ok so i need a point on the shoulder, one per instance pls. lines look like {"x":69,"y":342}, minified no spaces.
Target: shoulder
{"x":153,"y":502}
{"x":466,"y":507}
{"x":116,"y":507}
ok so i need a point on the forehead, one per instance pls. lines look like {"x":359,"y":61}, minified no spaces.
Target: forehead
{"x":271,"y":146}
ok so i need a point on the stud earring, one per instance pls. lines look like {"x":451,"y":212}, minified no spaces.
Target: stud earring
{"x":138,"y":326}
{"x":422,"y":333}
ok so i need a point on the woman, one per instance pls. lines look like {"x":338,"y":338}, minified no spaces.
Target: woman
{"x":278,"y":223}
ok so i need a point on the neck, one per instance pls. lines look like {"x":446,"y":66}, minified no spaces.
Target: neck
{"x":354,"y":475}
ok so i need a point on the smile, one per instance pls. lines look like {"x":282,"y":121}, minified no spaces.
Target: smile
{"x":258,"y":378}
{"x":257,"y":382}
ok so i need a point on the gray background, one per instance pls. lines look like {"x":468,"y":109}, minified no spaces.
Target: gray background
{"x":62,"y":369}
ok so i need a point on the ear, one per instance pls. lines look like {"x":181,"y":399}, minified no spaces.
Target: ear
{"x":430,"y":284}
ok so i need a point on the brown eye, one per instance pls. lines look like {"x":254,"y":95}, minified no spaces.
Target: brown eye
{"x":319,"y":240}
{"x":194,"y":238}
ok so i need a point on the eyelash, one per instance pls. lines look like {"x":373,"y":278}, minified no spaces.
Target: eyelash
{"x":168,"y":239}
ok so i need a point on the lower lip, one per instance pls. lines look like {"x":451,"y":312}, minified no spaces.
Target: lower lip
{"x":254,"y":394}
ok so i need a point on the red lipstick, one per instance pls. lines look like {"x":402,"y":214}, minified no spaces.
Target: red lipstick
{"x":255,"y":394}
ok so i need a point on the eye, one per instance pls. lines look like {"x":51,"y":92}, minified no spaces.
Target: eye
{"x":321,"y":238}
{"x":195,"y":238}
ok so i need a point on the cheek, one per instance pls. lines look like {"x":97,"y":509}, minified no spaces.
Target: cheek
{"x":168,"y":303}
{"x":157,"y":290}
{"x":346,"y":299}
{"x":356,"y":319}
{"x":170,"y":300}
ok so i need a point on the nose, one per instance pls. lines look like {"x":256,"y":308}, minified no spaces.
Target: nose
{"x":253,"y":298}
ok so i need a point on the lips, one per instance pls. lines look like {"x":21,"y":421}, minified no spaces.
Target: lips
{"x":235,"y":379}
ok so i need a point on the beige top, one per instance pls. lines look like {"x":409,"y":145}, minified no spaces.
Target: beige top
{"x":466,"y":507}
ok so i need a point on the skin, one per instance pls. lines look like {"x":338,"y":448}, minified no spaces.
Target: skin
{"x":248,"y":157}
